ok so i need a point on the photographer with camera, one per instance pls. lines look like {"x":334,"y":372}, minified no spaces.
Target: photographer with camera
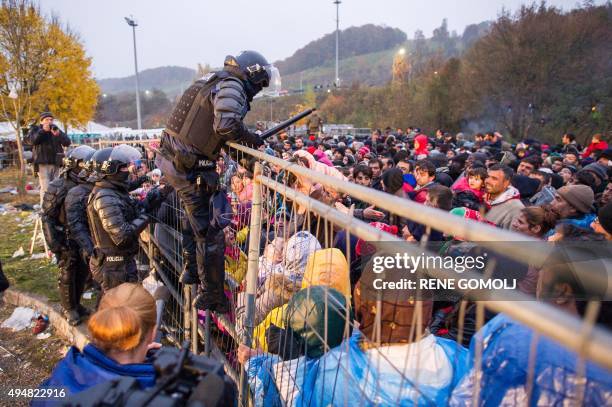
{"x":121,"y":334}
{"x":48,"y":143}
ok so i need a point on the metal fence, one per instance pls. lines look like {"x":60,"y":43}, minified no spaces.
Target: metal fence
{"x":326,"y":227}
{"x":290,"y":268}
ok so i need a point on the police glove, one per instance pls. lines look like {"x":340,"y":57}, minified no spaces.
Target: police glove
{"x":140,"y":223}
{"x":252,"y":140}
{"x":153,"y":200}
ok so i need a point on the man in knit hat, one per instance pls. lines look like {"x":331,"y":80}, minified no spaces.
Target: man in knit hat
{"x":574,"y":204}
{"x":48,"y":143}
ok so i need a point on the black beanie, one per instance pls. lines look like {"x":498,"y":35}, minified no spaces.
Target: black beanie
{"x":556,"y":181}
{"x":393,"y":179}
{"x":525,"y":185}
{"x":605,"y":217}
{"x":45,"y":115}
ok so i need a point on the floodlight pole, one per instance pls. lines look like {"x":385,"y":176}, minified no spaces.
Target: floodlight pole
{"x":132,"y":23}
{"x":337,"y":3}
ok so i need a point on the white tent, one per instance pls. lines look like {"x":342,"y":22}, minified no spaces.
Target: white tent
{"x":8,"y":133}
{"x":92,"y":128}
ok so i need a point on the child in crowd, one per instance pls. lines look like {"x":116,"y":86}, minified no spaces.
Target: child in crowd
{"x":469,"y":192}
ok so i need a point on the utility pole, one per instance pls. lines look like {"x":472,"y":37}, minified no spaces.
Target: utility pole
{"x":132,"y":23}
{"x":337,"y":3}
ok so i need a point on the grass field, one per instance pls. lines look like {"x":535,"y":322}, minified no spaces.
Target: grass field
{"x":37,"y":276}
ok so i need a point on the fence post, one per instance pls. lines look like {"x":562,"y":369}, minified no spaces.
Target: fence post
{"x":251,"y":276}
{"x":195,"y":337}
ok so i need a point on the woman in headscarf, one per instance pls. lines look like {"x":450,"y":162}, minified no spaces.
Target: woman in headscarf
{"x":326,"y":267}
{"x":314,"y":165}
{"x":297,"y":250}
{"x":276,"y":289}
{"x":420,"y":147}
{"x":315,"y":320}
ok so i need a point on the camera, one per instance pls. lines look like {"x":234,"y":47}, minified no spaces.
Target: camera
{"x":54,"y":127}
{"x":183,"y":379}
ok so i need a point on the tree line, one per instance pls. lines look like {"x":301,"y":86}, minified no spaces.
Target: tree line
{"x":536,"y":73}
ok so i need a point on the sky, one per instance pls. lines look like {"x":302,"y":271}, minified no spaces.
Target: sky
{"x":188,"y":32}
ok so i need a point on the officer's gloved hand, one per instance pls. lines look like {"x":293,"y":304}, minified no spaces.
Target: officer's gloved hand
{"x":140,"y":223}
{"x":252,"y":140}
{"x":153,"y":200}
{"x":165,"y":190}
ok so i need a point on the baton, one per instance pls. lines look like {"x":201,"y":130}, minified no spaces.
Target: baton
{"x":286,"y":123}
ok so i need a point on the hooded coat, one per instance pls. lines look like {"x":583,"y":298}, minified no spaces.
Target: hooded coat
{"x":422,"y":148}
{"x":78,"y":371}
{"x":504,"y":208}
{"x":505,"y":370}
{"x":315,"y":165}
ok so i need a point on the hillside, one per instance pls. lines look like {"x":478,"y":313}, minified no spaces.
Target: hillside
{"x":374,"y":68}
{"x":170,"y":79}
{"x":361,"y":40}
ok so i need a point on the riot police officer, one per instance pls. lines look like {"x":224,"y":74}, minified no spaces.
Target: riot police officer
{"x":73,"y":270}
{"x":116,"y":219}
{"x":75,"y":206}
{"x":208,"y":114}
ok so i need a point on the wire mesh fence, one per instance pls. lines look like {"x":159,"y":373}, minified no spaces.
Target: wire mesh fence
{"x":306,"y":329}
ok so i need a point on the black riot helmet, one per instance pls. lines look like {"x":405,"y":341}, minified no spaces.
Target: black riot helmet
{"x":96,"y":161}
{"x":78,"y":157}
{"x":256,"y":69}
{"x":121,"y":156}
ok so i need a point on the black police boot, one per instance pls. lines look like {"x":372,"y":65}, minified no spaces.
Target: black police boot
{"x":83,"y":311}
{"x":73,"y":317}
{"x":189,"y":275}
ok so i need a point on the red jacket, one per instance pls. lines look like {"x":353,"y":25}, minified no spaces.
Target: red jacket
{"x":600,"y":145}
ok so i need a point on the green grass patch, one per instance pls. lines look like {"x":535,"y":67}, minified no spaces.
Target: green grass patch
{"x":36,"y":276}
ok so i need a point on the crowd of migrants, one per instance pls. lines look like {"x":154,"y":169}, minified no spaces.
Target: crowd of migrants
{"x":557,"y":193}
{"x":548,"y":192}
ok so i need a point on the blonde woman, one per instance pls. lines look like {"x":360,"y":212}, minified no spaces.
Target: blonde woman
{"x":121,"y":334}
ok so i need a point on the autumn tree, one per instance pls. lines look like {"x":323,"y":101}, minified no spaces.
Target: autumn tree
{"x":42,"y":67}
{"x":69,"y":90}
{"x":539,"y":64}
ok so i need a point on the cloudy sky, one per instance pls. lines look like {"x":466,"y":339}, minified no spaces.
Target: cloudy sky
{"x":185,"y":32}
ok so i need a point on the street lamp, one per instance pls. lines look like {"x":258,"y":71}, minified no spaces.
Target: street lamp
{"x":337,"y":3}
{"x":132,"y":23}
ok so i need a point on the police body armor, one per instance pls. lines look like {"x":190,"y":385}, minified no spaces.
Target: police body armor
{"x":191,"y":121}
{"x":77,"y":224}
{"x":53,"y":213}
{"x":104,"y":245}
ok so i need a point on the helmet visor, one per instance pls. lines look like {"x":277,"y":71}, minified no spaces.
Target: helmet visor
{"x":125,"y":154}
{"x":274,"y":81}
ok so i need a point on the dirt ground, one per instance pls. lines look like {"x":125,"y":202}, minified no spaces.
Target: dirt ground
{"x":25,"y":361}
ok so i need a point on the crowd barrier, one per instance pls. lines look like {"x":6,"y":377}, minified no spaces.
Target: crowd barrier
{"x":262,"y":251}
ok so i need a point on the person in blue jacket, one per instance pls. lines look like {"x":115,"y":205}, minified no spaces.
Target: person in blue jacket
{"x":508,"y":348}
{"x":388,"y":366}
{"x":121,"y":332}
